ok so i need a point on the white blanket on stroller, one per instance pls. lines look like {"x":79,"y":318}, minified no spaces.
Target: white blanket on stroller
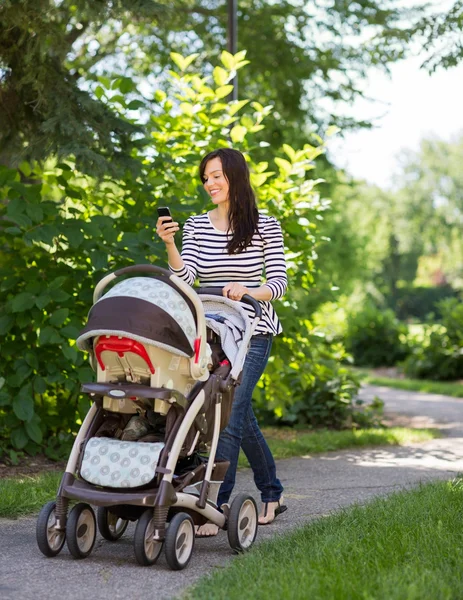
{"x":231,"y":323}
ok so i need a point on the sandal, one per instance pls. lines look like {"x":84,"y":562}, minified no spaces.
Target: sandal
{"x":281,"y":508}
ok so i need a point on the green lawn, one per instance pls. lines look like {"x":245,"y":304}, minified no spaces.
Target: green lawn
{"x":26,"y":494}
{"x":285,"y":442}
{"x":447,"y":388}
{"x":405,"y":547}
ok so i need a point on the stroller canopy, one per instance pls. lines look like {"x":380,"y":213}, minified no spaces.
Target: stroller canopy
{"x":146,"y":309}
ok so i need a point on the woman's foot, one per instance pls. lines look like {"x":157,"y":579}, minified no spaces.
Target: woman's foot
{"x":207,"y":530}
{"x":270,"y":511}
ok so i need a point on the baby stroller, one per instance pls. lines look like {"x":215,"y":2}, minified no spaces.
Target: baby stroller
{"x":158,"y":364}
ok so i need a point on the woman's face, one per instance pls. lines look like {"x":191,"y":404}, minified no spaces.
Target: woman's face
{"x":215,"y":183}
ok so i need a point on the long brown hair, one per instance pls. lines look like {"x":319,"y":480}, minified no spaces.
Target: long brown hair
{"x":243,"y":215}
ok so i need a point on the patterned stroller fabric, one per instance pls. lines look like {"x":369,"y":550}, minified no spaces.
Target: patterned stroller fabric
{"x":147,"y":310}
{"x":116,"y":464}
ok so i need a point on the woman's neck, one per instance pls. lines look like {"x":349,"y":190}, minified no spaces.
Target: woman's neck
{"x":220,"y":217}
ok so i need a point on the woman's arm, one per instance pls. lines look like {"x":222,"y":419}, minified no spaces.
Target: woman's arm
{"x":183,"y":265}
{"x":275,"y":269}
{"x":274,"y":260}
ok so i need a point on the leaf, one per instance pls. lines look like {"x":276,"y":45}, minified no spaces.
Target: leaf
{"x":23,"y":301}
{"x":40,"y":385}
{"x":35,"y":212}
{"x":223,"y":91}
{"x":220,"y":76}
{"x":285,"y":166}
{"x":70,"y":352}
{"x":70,"y":332}
{"x":236,"y":106}
{"x":238,"y":133}
{"x":42,"y":301}
{"x":186,"y":108}
{"x":19,"y":437}
{"x":332,"y":130}
{"x":228,"y":60}
{"x":59,"y":316}
{"x":49,"y":335}
{"x":6,"y":323}
{"x":126,"y":85}
{"x":289,"y":151}
{"x":23,"y":404}
{"x":34,"y":432}
{"x":99,"y":92}
{"x":183,"y":62}
{"x":57,"y":283}
{"x":135,"y":105}
{"x":258,"y":179}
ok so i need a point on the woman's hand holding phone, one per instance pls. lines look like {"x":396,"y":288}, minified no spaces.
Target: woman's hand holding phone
{"x":166,"y":227}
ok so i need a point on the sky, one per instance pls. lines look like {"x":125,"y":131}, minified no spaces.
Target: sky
{"x":411,"y":105}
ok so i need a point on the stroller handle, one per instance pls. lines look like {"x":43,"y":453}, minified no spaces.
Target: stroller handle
{"x":247,"y":299}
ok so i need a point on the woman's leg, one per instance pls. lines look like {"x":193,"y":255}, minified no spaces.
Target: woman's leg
{"x":261,"y":460}
{"x":231,"y":437}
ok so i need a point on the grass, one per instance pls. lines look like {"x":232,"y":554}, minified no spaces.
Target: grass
{"x":447,"y":388}
{"x":25,"y":494}
{"x":285,"y":442}
{"x":20,"y":496}
{"x":408,"y":546}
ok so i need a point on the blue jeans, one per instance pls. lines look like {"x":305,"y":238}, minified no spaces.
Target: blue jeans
{"x":243,"y":430}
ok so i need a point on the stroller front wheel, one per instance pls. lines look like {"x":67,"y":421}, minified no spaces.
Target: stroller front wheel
{"x":110,"y":525}
{"x":81,"y":530}
{"x":147,"y":549}
{"x":242,"y":523}
{"x":180,"y":541}
{"x":49,"y":539}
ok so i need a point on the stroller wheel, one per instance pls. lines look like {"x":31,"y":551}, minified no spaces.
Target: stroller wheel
{"x":110,"y":525}
{"x":49,"y":539}
{"x":242,"y":523}
{"x":81,"y":530}
{"x":147,"y":549}
{"x":180,"y":540}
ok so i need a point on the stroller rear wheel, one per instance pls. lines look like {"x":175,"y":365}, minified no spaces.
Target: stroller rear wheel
{"x":242,"y":523}
{"x":110,"y":525}
{"x":147,"y":549}
{"x":180,"y":541}
{"x":49,"y":539}
{"x":81,"y":530}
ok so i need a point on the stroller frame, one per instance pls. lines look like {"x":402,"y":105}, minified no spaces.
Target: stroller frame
{"x":168,"y":506}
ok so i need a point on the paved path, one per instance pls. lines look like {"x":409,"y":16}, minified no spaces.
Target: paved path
{"x":315,"y":486}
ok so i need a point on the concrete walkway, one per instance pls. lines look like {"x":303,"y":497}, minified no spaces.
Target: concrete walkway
{"x":314,"y":487}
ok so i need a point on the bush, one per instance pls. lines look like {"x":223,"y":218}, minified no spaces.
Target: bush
{"x":439,"y":354}
{"x":375,"y":337}
{"x":307,"y":384}
{"x":420,"y":302}
{"x":62,"y":230}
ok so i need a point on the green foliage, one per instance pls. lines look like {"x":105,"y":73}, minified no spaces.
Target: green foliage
{"x":439,"y":356}
{"x":420,"y":302}
{"x":375,"y":337}
{"x":305,"y":382}
{"x":62,"y":230}
{"x":54,"y":54}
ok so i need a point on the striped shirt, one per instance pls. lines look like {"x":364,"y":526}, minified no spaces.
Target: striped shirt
{"x":205,"y":256}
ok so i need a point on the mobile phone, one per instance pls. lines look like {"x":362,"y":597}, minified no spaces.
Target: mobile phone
{"x":163,"y":211}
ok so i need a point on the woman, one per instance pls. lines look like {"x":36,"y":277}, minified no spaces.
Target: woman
{"x":229,"y":247}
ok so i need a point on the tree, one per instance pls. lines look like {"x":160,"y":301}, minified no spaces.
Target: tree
{"x":441,"y":35}
{"x":305,"y":59}
{"x":62,"y":229}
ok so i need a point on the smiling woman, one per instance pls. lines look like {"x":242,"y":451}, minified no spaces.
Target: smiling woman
{"x":230,"y":247}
